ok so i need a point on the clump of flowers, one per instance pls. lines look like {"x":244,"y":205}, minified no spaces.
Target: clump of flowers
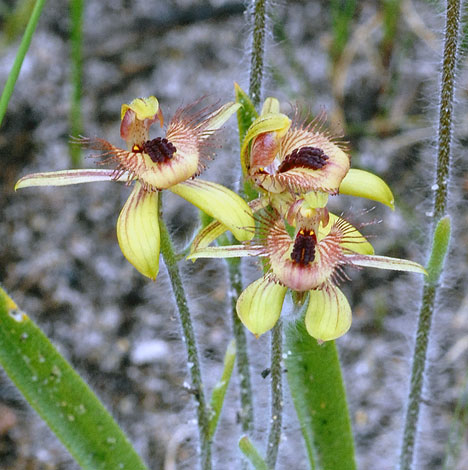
{"x":304,"y":248}
{"x":171,"y":162}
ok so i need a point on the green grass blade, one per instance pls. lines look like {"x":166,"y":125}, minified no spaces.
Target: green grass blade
{"x":251,"y":452}
{"x":60,"y":396}
{"x":342,"y":12}
{"x":219,"y":391}
{"x":23,"y":48}
{"x":245,"y":115}
{"x":76,"y":125}
{"x":319,"y":396}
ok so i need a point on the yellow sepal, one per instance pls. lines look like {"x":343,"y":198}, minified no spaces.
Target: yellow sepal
{"x":269,"y":122}
{"x":144,"y":108}
{"x":271,"y":105}
{"x":328,"y":314}
{"x":259,"y":306}
{"x":138,"y":231}
{"x":361,"y":183}
{"x":220,"y":203}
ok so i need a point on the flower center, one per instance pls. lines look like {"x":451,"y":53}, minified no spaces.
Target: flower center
{"x":304,"y":247}
{"x":159,"y":150}
{"x":305,"y":157}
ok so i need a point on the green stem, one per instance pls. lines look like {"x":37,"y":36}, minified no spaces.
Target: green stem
{"x":447,"y":92}
{"x":23,"y":49}
{"x":76,"y":126}
{"x":276,"y":395}
{"x":258,"y":51}
{"x":243,"y":367}
{"x":170,"y":259}
{"x":430,"y":290}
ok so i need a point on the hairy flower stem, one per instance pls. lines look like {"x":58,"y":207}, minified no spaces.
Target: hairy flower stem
{"x":193,"y":361}
{"x":258,"y":51}
{"x":243,"y":368}
{"x":276,"y":395}
{"x":444,"y":142}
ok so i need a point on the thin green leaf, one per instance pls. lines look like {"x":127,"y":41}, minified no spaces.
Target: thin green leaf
{"x":76,"y":40}
{"x":60,"y":396}
{"x":219,"y":391}
{"x":23,"y":48}
{"x":319,"y":396}
{"x":439,"y":250}
{"x":247,"y":114}
{"x":251,"y":452}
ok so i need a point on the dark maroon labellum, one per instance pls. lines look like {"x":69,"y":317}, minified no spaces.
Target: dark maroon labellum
{"x":304,"y":247}
{"x":159,"y":149}
{"x":305,"y":157}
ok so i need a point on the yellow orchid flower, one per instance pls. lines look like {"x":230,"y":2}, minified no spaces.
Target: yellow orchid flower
{"x":311,"y":260}
{"x":282,"y":155}
{"x":170,"y":162}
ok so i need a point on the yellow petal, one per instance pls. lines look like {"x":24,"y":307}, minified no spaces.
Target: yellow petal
{"x":271,"y":105}
{"x":259,"y":306}
{"x":269,"y":122}
{"x":220,"y":203}
{"x":328,"y":314}
{"x":138,"y":231}
{"x":361,"y":183}
{"x":144,"y":108}
{"x":314,"y":200}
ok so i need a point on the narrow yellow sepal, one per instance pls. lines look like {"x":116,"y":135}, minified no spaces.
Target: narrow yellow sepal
{"x":220,"y":116}
{"x":328,"y":314}
{"x":67,"y":177}
{"x":138,"y":231}
{"x":220,"y":203}
{"x":144,"y":108}
{"x":270,"y":122}
{"x":259,"y":306}
{"x":271,"y":105}
{"x":385,"y":262}
{"x":364,"y":184}
{"x":208,"y":235}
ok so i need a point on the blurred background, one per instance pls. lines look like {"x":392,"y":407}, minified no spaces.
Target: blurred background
{"x":373,"y":66}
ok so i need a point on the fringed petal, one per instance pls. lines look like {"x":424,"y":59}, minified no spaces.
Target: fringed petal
{"x":328,"y":314}
{"x":259,"y":306}
{"x":361,"y":183}
{"x":138,"y":231}
{"x":67,"y":177}
{"x":351,"y":240}
{"x":220,"y":203}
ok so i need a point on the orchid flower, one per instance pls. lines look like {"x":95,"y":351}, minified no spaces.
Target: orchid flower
{"x":295,"y":165}
{"x":307,"y":258}
{"x":170,"y":162}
